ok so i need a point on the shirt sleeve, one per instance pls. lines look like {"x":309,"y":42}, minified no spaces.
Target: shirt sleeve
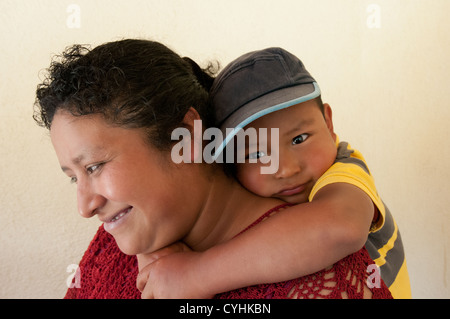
{"x":350,"y":167}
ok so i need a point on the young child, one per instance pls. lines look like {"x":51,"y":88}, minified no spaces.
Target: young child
{"x":340,"y":208}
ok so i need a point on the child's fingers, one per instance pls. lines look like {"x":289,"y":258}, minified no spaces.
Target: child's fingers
{"x":145,"y":259}
{"x":142,"y":279}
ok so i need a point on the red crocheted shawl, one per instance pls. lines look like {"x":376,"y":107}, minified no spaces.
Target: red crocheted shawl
{"x":107,"y":273}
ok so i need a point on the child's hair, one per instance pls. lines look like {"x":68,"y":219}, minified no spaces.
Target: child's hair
{"x":132,"y":83}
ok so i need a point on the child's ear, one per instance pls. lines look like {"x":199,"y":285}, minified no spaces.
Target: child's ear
{"x":328,"y":114}
{"x":192,"y":121}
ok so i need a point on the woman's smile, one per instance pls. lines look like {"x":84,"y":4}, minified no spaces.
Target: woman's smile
{"x":120,"y":218}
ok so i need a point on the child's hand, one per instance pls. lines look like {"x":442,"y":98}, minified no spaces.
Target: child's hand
{"x":167,"y":273}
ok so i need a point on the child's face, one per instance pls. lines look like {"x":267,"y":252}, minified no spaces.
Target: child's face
{"x":307,"y":148}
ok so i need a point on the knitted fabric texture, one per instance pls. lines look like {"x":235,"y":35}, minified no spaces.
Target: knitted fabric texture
{"x":344,"y":280}
{"x":107,"y":273}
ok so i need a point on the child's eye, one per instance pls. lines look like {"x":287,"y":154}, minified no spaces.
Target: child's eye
{"x":299,"y":139}
{"x":256,"y":155}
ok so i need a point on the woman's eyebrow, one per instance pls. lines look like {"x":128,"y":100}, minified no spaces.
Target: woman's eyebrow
{"x":80,"y":158}
{"x":77,"y":160}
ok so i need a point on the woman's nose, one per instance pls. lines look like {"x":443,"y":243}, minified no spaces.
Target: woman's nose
{"x":88,"y":200}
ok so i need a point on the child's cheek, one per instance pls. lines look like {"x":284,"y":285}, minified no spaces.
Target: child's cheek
{"x":251,"y":178}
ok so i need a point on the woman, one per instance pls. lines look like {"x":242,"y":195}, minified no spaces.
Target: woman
{"x":110,"y":112}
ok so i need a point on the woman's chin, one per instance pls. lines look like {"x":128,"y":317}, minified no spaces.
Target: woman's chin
{"x":126,"y":247}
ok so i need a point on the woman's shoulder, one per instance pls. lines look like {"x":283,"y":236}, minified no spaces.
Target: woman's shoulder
{"x":266,"y":215}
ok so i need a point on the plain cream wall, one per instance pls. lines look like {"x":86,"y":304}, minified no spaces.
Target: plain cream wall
{"x":382,"y":65}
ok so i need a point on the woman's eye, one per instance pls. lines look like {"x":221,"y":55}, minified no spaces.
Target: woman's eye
{"x":299,"y":139}
{"x":91,"y":169}
{"x":256,"y":155}
{"x":73,"y":180}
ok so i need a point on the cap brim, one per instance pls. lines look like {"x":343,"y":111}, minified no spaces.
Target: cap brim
{"x":257,"y":108}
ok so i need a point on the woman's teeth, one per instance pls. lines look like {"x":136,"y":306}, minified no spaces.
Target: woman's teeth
{"x":120,"y":215}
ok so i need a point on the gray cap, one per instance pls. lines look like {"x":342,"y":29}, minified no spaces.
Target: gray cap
{"x":256,"y":84}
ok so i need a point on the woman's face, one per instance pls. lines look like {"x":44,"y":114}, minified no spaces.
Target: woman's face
{"x":143,"y":201}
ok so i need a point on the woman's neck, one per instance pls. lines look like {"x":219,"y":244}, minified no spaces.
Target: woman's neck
{"x":229,"y":208}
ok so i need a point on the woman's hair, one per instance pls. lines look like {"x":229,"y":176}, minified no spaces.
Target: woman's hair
{"x":132,"y":83}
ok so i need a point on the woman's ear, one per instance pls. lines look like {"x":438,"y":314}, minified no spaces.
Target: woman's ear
{"x":328,"y":114}
{"x":189,"y":118}
{"x":193,"y":122}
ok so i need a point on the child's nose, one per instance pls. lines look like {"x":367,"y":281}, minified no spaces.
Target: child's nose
{"x":288,"y":166}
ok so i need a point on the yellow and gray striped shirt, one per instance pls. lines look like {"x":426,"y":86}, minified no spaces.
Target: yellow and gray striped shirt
{"x":384,"y":243}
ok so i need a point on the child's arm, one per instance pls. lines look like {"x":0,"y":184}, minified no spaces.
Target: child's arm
{"x":299,"y":240}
